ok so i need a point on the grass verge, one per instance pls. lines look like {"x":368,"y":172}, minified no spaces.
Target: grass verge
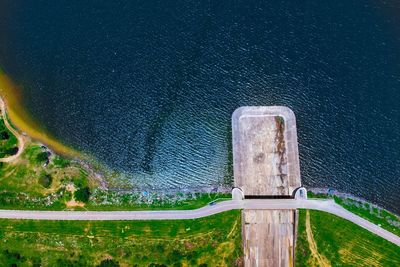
{"x":209,"y":241}
{"x":137,"y":201}
{"x":317,"y":195}
{"x":372,"y":213}
{"x":368,"y":211}
{"x":342,"y":243}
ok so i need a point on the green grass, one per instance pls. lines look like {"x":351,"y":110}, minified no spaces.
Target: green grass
{"x":185,"y":203}
{"x":211,"y":241}
{"x":318,"y":195}
{"x":24,"y":174}
{"x":8,"y":141}
{"x":303,"y":252}
{"x":373,"y":214}
{"x":61,"y":162}
{"x":343,"y":243}
{"x":22,"y":185}
{"x":23,"y":201}
{"x":376,"y":215}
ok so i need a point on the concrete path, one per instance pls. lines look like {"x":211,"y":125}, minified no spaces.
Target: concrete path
{"x":276,"y":204}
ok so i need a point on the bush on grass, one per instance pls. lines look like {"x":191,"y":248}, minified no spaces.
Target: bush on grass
{"x":45,"y":180}
{"x":82,"y":194}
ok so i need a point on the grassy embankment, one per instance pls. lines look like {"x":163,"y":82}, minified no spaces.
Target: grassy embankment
{"x":341,"y":243}
{"x":30,"y":183}
{"x":177,"y":201}
{"x":319,"y":195}
{"x":370,"y":212}
{"x":376,"y":215}
{"x":210,"y":241}
{"x":40,"y":180}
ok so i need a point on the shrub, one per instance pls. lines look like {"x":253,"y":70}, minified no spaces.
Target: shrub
{"x":4,"y":135}
{"x":42,"y":157}
{"x":12,"y":150}
{"x":82,"y":194}
{"x":45,"y":180}
{"x":108,"y":263}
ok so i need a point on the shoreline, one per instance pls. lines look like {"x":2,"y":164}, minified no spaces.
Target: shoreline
{"x":325,"y":191}
{"x":25,"y":123}
{"x":20,"y":119}
{"x":26,"y":126}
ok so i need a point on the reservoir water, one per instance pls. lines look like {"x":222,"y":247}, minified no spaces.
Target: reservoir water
{"x":148,"y":87}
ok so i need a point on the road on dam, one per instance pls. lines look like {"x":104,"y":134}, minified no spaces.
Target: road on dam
{"x":274,"y":204}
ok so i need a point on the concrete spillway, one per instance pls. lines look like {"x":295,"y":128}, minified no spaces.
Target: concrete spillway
{"x":265,"y":151}
{"x":266,"y":165}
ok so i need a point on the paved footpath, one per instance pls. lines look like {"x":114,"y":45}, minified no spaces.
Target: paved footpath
{"x":276,"y":204}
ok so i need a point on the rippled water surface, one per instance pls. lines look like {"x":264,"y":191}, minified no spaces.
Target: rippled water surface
{"x":149,"y":87}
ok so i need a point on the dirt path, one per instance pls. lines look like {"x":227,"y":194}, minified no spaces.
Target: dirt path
{"x":321,"y":259}
{"x":20,"y":138}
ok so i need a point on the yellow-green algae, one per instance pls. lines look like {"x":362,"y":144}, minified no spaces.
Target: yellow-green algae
{"x":24,"y":121}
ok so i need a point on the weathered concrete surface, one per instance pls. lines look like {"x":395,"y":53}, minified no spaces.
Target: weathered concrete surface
{"x":268,"y":237}
{"x":265,"y":151}
{"x":266,"y":163}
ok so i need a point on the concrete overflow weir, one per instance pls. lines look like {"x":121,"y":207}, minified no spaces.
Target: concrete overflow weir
{"x":266,"y":165}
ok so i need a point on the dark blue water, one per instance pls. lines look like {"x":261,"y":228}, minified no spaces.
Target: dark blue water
{"x":149,"y":87}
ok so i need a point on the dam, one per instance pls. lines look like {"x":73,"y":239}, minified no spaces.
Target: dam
{"x":266,"y":165}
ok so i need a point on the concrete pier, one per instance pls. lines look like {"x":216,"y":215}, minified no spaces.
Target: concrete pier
{"x":266,"y":165}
